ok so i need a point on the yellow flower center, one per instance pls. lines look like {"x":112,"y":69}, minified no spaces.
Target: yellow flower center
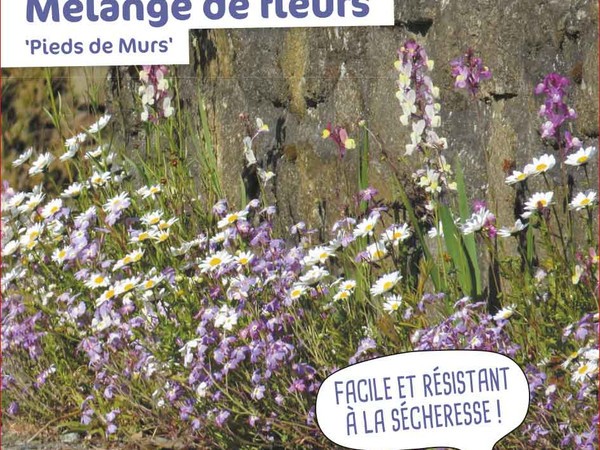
{"x":521,"y":177}
{"x":585,"y":201}
{"x":243,"y":261}
{"x":109,"y":294}
{"x":395,"y":306}
{"x":540,"y":167}
{"x":378,"y":254}
{"x":369,"y":227}
{"x":99,"y":280}
{"x":296,"y":293}
{"x":149,"y":284}
{"x":582,"y":159}
{"x":128,"y":287}
{"x":214,"y":261}
{"x":232,"y":218}
{"x":583,"y":369}
{"x":388,"y":285}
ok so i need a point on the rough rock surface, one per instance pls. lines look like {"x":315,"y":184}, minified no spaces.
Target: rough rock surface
{"x":299,"y":79}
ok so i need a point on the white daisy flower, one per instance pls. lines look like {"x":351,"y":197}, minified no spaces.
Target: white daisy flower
{"x":297,"y":291}
{"x":149,"y":191}
{"x":392,"y":303}
{"x":515,"y":229}
{"x":162,"y":235}
{"x":15,"y":200}
{"x":366,"y":227}
{"x":100,"y":124}
{"x":584,"y":370}
{"x":477,"y":221}
{"x":32,"y":203}
{"x":166,"y":224}
{"x":342,"y":294}
{"x":72,"y":191}
{"x":100,"y":179}
{"x":41,"y":163}
{"x":70,"y":153}
{"x":537,"y":201}
{"x":347,"y":285}
{"x":516,"y":177}
{"x":376,"y":251}
{"x":126,"y":285}
{"x":583,"y":200}
{"x":9,"y":248}
{"x":397,"y":234}
{"x":143,"y":236}
{"x":23,"y":157}
{"x":152,"y":218}
{"x":117,"y":203}
{"x":97,"y":280}
{"x":243,"y":258}
{"x":505,"y":313}
{"x":152,"y":282}
{"x":385,"y":283}
{"x":108,"y":294}
{"x":540,"y":165}
{"x":94,"y":154}
{"x":232,"y":218}
{"x":314,"y":275}
{"x":216,"y":260}
{"x":580,"y":157}
{"x":317,"y":255}
{"x":52,"y":208}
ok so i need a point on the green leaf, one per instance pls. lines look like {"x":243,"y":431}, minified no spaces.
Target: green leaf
{"x":469,"y":240}
{"x":416,"y":225}
{"x":455,"y":249}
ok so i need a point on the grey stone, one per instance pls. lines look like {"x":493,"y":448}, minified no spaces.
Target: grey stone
{"x":297,"y":80}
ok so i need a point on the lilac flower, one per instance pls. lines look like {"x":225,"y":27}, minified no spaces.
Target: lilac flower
{"x":364,"y":347}
{"x":13,"y":408}
{"x":221,"y":418}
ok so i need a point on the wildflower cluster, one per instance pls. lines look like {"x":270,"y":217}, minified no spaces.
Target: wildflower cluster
{"x":145,"y":304}
{"x":154,"y":93}
{"x":418,"y":101}
{"x":555,"y":111}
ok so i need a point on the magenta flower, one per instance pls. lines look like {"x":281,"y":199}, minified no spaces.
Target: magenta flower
{"x":468,"y":71}
{"x":339,"y":135}
{"x":554,"y":110}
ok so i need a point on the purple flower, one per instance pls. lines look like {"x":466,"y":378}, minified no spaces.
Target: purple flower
{"x":222,"y":417}
{"x":555,"y":111}
{"x":468,"y":72}
{"x":13,"y":409}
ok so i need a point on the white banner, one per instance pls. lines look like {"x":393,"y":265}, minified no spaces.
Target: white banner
{"x":45,"y":33}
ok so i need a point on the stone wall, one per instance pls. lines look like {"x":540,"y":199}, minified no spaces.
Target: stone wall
{"x":297,"y":80}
